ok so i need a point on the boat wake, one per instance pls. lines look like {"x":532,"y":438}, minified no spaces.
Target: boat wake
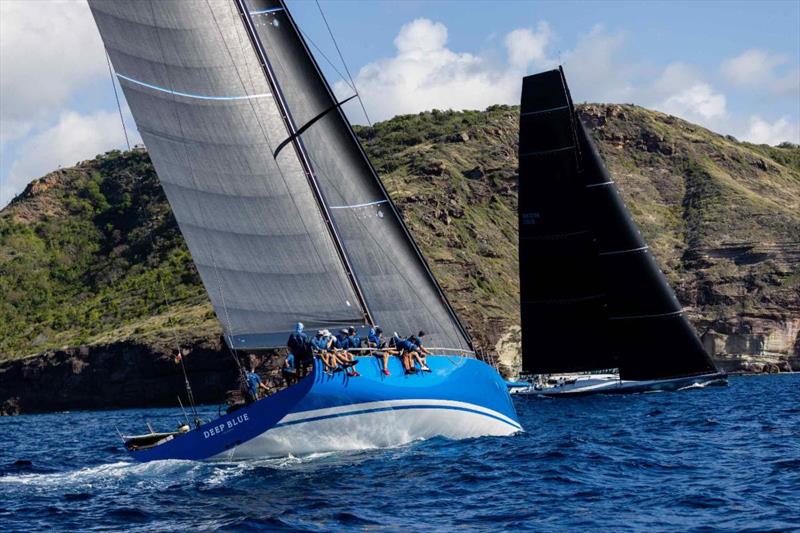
{"x":106,"y":474}
{"x":164,"y":473}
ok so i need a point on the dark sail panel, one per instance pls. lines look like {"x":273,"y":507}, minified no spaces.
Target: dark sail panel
{"x":562,"y":299}
{"x":399,"y":290}
{"x":647,"y":330}
{"x":593,"y":296}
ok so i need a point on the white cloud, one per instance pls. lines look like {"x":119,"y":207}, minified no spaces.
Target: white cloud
{"x":763,"y":132}
{"x":698,"y":100}
{"x":75,"y":137}
{"x":759,"y":68}
{"x":595,"y":71}
{"x":684,"y":93}
{"x":425,"y":74}
{"x":526,"y":46}
{"x":48,"y":49}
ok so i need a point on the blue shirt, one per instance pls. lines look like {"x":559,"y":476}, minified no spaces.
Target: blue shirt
{"x":253,"y":381}
{"x":406,"y":345}
{"x":354,"y":341}
{"x":290,"y":363}
{"x":375,"y":339}
{"x":319,"y":342}
{"x":297,"y":341}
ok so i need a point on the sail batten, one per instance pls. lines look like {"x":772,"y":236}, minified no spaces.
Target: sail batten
{"x":593,"y":296}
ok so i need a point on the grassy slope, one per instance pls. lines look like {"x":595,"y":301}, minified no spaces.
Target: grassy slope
{"x":85,"y":251}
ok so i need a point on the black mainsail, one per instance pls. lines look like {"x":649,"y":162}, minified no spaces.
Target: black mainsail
{"x":592,"y":294}
{"x":284,"y":216}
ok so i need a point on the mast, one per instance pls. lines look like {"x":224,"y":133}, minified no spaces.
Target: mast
{"x":301,"y":153}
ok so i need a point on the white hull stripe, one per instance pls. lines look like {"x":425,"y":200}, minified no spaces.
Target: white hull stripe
{"x":371,"y":407}
{"x":189,"y":95}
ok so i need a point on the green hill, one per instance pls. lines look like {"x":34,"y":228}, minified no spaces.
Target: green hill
{"x":91,"y":255}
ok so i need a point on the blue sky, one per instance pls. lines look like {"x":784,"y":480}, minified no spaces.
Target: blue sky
{"x":731,"y":66}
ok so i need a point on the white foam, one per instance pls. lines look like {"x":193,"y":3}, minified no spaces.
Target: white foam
{"x":104,"y":474}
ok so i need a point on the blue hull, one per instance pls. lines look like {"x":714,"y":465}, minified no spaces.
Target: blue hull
{"x":460,"y":398}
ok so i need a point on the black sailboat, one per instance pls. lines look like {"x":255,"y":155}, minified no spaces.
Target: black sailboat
{"x":598,"y":315}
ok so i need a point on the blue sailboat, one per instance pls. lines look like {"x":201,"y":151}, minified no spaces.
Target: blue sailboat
{"x":287,"y":220}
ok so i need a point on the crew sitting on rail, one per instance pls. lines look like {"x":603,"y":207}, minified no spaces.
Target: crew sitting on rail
{"x":321,"y":344}
{"x":410,"y":352}
{"x":404,"y":349}
{"x":353,"y":338}
{"x":346,"y":358}
{"x":341,"y":339}
{"x":334,"y":359}
{"x":375,"y":340}
{"x":421,"y":352}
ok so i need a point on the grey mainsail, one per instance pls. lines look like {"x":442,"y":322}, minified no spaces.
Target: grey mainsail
{"x":210,"y":123}
{"x":309,"y":234}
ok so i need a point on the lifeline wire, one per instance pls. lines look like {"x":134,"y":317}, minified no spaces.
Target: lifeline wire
{"x":344,"y":63}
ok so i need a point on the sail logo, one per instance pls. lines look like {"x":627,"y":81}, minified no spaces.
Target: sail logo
{"x":230,"y":424}
{"x":530,"y":219}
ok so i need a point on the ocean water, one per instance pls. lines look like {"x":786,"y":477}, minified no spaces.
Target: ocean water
{"x":717,"y":459}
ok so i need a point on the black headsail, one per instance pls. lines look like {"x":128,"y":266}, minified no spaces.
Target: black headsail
{"x":592,"y":295}
{"x":398,"y":286}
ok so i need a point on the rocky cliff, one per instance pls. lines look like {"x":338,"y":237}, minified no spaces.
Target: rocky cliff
{"x":96,"y":285}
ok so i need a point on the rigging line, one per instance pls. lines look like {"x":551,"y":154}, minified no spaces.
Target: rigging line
{"x":116,"y":97}
{"x":344,"y":63}
{"x":191,"y":170}
{"x":234,"y":15}
{"x":342,"y":76}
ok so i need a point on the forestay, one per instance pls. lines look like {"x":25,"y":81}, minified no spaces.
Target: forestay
{"x":593,"y":296}
{"x":210,"y":123}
